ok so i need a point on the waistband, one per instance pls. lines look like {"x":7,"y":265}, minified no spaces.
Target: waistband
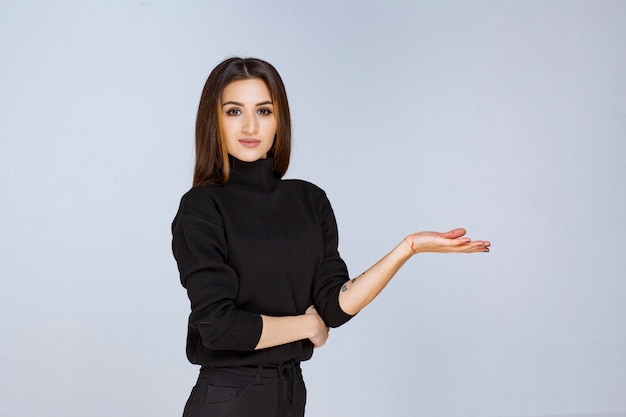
{"x":266,"y":370}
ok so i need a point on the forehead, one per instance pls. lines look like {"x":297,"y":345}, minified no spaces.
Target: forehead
{"x":251,"y":90}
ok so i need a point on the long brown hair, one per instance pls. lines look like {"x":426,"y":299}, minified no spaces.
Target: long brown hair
{"x":212,"y":165}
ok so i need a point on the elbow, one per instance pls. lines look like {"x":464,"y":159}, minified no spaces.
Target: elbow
{"x":351,"y":312}
{"x":340,"y":322}
{"x":348,"y":305}
{"x":210,"y":336}
{"x":338,"y":317}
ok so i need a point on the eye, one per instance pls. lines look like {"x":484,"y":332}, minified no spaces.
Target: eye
{"x":265,"y":112}
{"x":233,"y":112}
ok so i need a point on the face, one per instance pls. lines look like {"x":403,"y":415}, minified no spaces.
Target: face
{"x":247,"y":120}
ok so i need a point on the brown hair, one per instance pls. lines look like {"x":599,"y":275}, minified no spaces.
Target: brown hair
{"x":212,"y":164}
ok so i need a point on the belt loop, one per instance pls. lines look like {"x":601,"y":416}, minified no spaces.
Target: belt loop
{"x":259,"y":373}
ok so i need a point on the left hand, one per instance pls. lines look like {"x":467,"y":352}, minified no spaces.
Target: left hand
{"x":452,"y":241}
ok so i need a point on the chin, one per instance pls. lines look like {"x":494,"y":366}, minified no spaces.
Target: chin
{"x":249,"y":156}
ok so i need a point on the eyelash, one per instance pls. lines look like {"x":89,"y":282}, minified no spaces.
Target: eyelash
{"x":237,"y":112}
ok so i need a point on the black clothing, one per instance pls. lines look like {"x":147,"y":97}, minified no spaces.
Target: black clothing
{"x":255,"y":245}
{"x":248,"y":391}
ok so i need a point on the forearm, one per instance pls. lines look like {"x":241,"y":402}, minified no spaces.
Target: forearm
{"x":280,"y":330}
{"x":360,"y":291}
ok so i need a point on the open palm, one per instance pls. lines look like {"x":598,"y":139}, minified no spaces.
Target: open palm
{"x":452,"y":241}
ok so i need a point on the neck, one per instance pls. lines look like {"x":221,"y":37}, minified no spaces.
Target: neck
{"x":253,"y":175}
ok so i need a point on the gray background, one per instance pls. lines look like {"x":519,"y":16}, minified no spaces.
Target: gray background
{"x":507,"y":118}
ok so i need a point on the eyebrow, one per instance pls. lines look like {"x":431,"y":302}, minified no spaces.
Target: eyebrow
{"x":236,"y":103}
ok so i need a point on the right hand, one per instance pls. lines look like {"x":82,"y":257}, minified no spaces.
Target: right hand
{"x":319,"y":329}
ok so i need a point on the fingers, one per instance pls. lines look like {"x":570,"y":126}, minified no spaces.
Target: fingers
{"x":466,"y":245}
{"x":320,"y":339}
{"x":478,"y":246}
{"x":320,"y":331}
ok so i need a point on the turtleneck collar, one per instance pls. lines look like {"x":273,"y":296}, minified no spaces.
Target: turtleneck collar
{"x":255,"y":175}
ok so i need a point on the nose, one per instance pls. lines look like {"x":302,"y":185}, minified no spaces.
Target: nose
{"x":250,"y":124}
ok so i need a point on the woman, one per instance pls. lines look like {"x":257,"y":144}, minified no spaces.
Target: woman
{"x":258,"y":254}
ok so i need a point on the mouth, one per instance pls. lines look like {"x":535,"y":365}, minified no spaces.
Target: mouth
{"x":250,"y":143}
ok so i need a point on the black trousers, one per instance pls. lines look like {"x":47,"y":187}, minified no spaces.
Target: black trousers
{"x":263,"y":391}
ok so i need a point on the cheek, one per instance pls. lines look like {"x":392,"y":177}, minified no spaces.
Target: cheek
{"x":228,"y":129}
{"x":272,"y":125}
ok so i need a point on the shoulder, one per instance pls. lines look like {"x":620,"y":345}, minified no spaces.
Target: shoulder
{"x":305,"y":187}
{"x":199,"y":201}
{"x":312,"y":194}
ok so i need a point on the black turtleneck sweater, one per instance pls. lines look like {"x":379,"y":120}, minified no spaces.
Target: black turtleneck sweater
{"x":255,"y":245}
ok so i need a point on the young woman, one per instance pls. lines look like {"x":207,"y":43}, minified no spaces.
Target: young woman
{"x":258,"y":254}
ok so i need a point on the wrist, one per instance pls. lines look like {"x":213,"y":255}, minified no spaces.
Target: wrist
{"x":409,"y":246}
{"x":309,"y":325}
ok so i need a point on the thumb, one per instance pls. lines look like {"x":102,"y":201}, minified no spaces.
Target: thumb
{"x":454,"y":233}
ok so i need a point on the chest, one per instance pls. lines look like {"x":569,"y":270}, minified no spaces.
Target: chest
{"x":273,"y":239}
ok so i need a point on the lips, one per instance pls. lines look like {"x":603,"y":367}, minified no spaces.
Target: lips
{"x":250,"y":143}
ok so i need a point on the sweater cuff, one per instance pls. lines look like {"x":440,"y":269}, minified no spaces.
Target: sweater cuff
{"x":243,"y":334}
{"x":334,"y":316}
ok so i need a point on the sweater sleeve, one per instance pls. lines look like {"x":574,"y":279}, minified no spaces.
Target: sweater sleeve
{"x":200,"y":248}
{"x":332,"y":274}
